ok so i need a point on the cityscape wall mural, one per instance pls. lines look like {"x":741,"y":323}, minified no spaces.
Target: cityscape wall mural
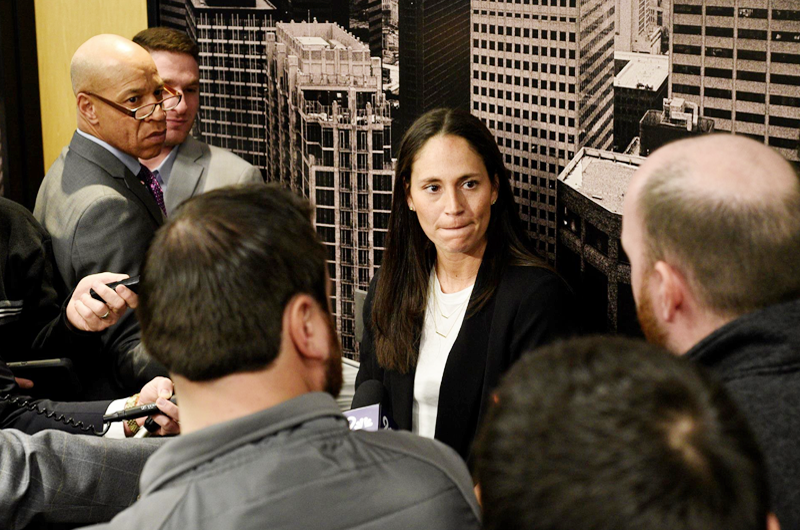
{"x":317,"y":94}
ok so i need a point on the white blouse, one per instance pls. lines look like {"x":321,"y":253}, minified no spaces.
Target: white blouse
{"x":443,"y":318}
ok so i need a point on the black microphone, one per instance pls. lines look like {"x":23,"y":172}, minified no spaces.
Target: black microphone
{"x":135,"y":412}
{"x":367,"y":412}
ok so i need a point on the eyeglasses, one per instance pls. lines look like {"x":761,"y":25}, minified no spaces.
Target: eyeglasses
{"x":145,"y":111}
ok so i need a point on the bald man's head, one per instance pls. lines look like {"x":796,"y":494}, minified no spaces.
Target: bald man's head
{"x":111,"y":77}
{"x":98,"y":62}
{"x":725,"y":211}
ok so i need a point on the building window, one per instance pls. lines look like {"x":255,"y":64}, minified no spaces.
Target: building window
{"x":783,"y":14}
{"x":686,"y":69}
{"x":683,"y":29}
{"x":749,"y":12}
{"x":717,"y":11}
{"x":786,"y":36}
{"x":717,"y":93}
{"x":749,"y":117}
{"x":686,"y":89}
{"x":752,"y":76}
{"x":788,"y":58}
{"x":687,"y":9}
{"x":787,"y":101}
{"x":713,"y":31}
{"x":783,"y":122}
{"x":719,"y":72}
{"x":719,"y":52}
{"x":686,"y":49}
{"x":324,"y":197}
{"x":325,"y":216}
{"x":791,"y":80}
{"x":784,"y":143}
{"x":750,"y":96}
{"x":751,"y":55}
{"x":756,"y":34}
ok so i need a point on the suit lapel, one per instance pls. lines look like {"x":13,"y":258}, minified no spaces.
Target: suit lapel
{"x":462,"y":381}
{"x":186,"y":172}
{"x":100,"y":156}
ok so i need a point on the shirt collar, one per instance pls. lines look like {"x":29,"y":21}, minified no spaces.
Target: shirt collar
{"x":165,"y":167}
{"x":130,"y":162}
{"x":187,"y":451}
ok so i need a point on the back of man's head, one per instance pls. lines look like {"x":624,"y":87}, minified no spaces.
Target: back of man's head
{"x":167,"y":40}
{"x":608,"y":434}
{"x":218,"y":276}
{"x":724,"y":210}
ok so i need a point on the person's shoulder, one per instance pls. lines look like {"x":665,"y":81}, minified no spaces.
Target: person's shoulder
{"x":430,"y":457}
{"x":426,"y":466}
{"x":530,"y":276}
{"x":14,"y":210}
{"x":226,"y":156}
{"x":19,"y":221}
{"x":228,"y":166}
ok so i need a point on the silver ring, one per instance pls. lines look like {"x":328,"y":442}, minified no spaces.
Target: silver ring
{"x":106,"y":315}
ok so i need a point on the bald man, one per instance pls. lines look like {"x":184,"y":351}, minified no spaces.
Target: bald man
{"x":103,"y":207}
{"x":712,"y":229}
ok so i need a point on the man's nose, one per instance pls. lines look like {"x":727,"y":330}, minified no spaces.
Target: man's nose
{"x":159,"y":114}
{"x":181,"y":107}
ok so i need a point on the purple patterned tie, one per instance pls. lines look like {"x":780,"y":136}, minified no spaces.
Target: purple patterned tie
{"x":147,"y":178}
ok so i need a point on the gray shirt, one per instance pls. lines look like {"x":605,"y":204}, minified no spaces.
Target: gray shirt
{"x":297,"y":465}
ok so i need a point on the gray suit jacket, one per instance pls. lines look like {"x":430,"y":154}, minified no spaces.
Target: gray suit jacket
{"x":100,"y":218}
{"x":200,"y":167}
{"x":67,"y":478}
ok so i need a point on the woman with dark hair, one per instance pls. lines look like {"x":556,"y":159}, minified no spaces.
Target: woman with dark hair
{"x":459,"y":296}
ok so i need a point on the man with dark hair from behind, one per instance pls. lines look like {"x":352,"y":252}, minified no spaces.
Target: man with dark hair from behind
{"x":611,"y":434}
{"x":712,"y":229}
{"x":234,"y":302}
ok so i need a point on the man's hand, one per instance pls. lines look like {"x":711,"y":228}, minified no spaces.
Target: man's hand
{"x":158,"y":391}
{"x":87,"y":314}
{"x":24,"y":383}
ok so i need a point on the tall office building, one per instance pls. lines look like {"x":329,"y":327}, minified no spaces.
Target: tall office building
{"x":639,"y":86}
{"x":337,"y":11}
{"x":331,"y":142}
{"x":172,"y":14}
{"x":375,"y":22}
{"x":234,"y":105}
{"x":434,"y":57}
{"x":360,"y":11}
{"x":738,"y":60}
{"x":640,"y":24}
{"x":304,"y":102}
{"x":678,"y":119}
{"x":591,"y":191}
{"x":542,"y":80}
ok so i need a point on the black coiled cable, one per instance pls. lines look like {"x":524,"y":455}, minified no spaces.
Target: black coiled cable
{"x":53,"y":415}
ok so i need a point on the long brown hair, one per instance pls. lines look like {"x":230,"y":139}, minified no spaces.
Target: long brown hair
{"x":402,"y":287}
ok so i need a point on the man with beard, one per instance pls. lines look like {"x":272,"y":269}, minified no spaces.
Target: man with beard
{"x":234,"y":302}
{"x":712,"y":229}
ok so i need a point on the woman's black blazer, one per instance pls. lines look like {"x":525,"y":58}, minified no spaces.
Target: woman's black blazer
{"x":531,"y":307}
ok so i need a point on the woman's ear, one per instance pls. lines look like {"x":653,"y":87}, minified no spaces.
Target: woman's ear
{"x":409,"y":200}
